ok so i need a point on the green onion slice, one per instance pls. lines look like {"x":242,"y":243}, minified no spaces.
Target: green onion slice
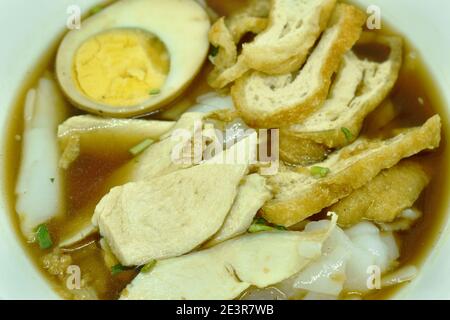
{"x":319,"y":172}
{"x":259,"y":227}
{"x":142,"y":146}
{"x":260,"y":224}
{"x":149,"y":266}
{"x":118,"y":268}
{"x":43,"y":237}
{"x":348,"y":134}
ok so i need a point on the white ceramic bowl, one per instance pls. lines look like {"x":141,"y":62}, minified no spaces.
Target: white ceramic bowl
{"x":27,"y":30}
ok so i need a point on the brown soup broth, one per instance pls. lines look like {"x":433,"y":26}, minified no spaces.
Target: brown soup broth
{"x":415,"y":96}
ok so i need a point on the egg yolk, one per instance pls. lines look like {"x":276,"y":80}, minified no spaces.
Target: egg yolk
{"x":122,"y":67}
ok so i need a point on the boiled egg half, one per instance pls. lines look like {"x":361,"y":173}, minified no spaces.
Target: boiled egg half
{"x":134,"y":56}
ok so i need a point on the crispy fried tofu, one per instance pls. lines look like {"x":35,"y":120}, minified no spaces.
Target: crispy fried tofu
{"x":360,"y":86}
{"x":272,"y":101}
{"x":384,"y":197}
{"x":226,"y":33}
{"x":294,"y":26}
{"x":302,"y":152}
{"x":299,"y":195}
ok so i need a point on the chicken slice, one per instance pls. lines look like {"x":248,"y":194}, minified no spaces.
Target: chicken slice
{"x":226,"y":270}
{"x":172,"y":214}
{"x":154,"y":161}
{"x":252,"y":195}
{"x":169,"y":215}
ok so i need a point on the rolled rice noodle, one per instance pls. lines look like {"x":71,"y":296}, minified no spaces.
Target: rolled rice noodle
{"x":343,"y":266}
{"x":39,"y":188}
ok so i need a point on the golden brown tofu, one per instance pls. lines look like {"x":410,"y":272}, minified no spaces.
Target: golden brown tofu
{"x":301,"y":151}
{"x":386,"y":196}
{"x":299,"y":195}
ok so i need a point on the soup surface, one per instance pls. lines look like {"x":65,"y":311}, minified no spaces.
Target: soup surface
{"x":88,"y":178}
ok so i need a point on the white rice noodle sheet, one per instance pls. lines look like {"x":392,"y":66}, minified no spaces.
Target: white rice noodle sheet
{"x":39,"y":188}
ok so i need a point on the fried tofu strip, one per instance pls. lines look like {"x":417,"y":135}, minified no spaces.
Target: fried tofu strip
{"x":301,"y":151}
{"x":385,"y":197}
{"x":283,"y":42}
{"x":222,"y":38}
{"x":253,"y":18}
{"x":226,"y":33}
{"x":275,"y":101}
{"x":299,"y":195}
{"x":294,"y":26}
{"x":360,"y":86}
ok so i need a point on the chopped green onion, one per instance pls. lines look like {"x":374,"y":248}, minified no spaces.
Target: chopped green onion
{"x":118,"y":268}
{"x":52,"y":180}
{"x":260,"y":220}
{"x":348,"y":134}
{"x":214,"y":51}
{"x":154,"y":92}
{"x":96,"y":9}
{"x":149,"y":266}
{"x":43,"y":237}
{"x":137,"y":149}
{"x":260,"y":224}
{"x":319,"y":172}
{"x":259,"y":227}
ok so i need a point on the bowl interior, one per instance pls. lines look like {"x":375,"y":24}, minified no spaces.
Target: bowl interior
{"x":30,"y":29}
